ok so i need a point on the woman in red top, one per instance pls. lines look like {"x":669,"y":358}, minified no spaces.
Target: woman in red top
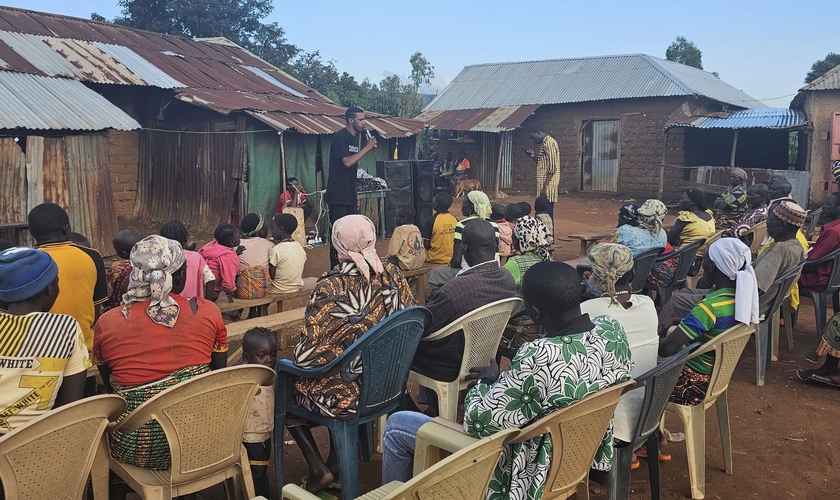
{"x":156,"y":340}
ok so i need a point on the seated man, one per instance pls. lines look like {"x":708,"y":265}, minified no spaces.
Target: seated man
{"x":547,"y":374}
{"x":779,"y":188}
{"x":815,"y":278}
{"x":757,"y":197}
{"x":784,"y":220}
{"x":482,"y":283}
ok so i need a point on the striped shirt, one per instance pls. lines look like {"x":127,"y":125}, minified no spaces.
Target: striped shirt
{"x":37,"y":351}
{"x":712,"y":316}
{"x":548,"y":163}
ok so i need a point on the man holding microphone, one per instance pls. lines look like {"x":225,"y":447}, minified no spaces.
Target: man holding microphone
{"x":345,"y":153}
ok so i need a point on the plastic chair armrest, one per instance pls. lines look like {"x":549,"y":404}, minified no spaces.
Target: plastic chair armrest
{"x":455,"y":426}
{"x":432,"y":437}
{"x":295,"y":492}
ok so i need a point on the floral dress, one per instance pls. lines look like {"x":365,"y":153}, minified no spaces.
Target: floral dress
{"x":545,"y":375}
{"x":342,"y":308}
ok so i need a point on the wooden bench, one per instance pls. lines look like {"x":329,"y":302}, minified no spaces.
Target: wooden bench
{"x":418,"y":280}
{"x":589,"y":238}
{"x":277,"y":322}
{"x":225,"y":306}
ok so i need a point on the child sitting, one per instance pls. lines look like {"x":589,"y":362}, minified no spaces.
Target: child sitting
{"x":406,"y":247}
{"x":542,"y":211}
{"x":117,"y":275}
{"x":505,"y":231}
{"x":221,"y":256}
{"x":253,"y":281}
{"x":287,"y":258}
{"x":512,"y":215}
{"x":524,"y":208}
{"x":439,"y":231}
{"x":200,"y":282}
{"x":259,"y":347}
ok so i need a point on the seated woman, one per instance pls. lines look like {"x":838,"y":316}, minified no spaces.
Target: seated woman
{"x":728,"y":265}
{"x":531,"y":240}
{"x":253,"y":280}
{"x":348,"y":300}
{"x":694,"y":221}
{"x":647,"y":231}
{"x":829,"y":346}
{"x":733,"y":201}
{"x":154,"y":341}
{"x":612,"y":271}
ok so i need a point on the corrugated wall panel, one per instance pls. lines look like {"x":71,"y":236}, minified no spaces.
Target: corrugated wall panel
{"x":489,"y":159}
{"x":12,"y":182}
{"x":605,"y":155}
{"x":507,"y":154}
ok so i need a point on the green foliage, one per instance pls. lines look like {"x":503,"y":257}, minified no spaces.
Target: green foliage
{"x":684,"y":52}
{"x":821,"y":67}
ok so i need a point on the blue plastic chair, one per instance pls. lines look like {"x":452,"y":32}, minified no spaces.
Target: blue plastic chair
{"x":658,"y":384}
{"x":386,"y":351}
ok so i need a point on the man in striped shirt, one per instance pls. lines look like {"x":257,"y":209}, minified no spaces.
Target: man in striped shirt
{"x":548,"y":164}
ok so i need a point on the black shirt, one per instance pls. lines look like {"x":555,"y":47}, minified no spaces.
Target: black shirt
{"x":341,"y":184}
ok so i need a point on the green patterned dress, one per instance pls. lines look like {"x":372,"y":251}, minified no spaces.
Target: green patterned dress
{"x":545,"y":375}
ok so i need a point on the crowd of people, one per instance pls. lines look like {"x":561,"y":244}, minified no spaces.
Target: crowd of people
{"x":149,"y":321}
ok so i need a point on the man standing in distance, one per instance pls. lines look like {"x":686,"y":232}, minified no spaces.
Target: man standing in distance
{"x":548,"y":164}
{"x":345,"y":153}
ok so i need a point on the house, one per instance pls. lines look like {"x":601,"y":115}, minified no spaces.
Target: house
{"x":607,"y":113}
{"x":199,"y":130}
{"x":820,"y":101}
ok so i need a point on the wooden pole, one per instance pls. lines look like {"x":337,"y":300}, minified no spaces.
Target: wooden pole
{"x":662,"y":168}
{"x":282,"y":162}
{"x":499,"y":164}
{"x":734,"y":147}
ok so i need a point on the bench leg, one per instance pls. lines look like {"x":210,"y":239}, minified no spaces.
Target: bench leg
{"x":583,"y":248}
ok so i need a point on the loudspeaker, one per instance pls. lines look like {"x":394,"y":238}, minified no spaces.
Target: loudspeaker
{"x":424,"y":191}
{"x":398,"y":176}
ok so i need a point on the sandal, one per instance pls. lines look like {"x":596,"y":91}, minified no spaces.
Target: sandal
{"x":635,"y":464}
{"x":663,"y":457}
{"x":829,"y":380}
{"x":805,"y":376}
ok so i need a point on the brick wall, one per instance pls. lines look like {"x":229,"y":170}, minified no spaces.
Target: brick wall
{"x":641,"y":142}
{"x":820,"y":106}
{"x":124,"y":156}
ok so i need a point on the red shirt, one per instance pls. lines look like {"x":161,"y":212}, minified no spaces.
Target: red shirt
{"x":139,"y":351}
{"x":286,"y":196}
{"x":828,"y":241}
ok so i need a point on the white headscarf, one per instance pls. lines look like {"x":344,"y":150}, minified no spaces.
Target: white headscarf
{"x":732,"y":257}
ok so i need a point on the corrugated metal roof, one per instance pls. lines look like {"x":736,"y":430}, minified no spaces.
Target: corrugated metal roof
{"x":829,"y":81}
{"x":41,"y":55}
{"x":774,"y":118}
{"x":478,"y":120}
{"x":387,"y":126}
{"x":560,"y":81}
{"x":150,"y":74}
{"x":41,"y":103}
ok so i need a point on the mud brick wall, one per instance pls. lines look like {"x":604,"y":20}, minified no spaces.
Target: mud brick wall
{"x":124,"y":156}
{"x":641,"y":143}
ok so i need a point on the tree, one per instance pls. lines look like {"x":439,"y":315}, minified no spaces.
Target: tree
{"x":421,"y":70}
{"x":684,"y":52}
{"x":822,"y":67}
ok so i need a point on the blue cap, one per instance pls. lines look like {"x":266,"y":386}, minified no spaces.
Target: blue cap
{"x":24,"y":272}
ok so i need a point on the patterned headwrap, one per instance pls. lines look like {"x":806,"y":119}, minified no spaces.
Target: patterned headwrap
{"x":153,"y":261}
{"x":610,"y":261}
{"x":251,"y":224}
{"x":835,"y":171}
{"x":651,"y":214}
{"x":629,"y":214}
{"x":481,"y":204}
{"x":533,"y":236}
{"x":739,"y":173}
{"x":354,"y":238}
{"x":732,"y":257}
{"x":790,"y":212}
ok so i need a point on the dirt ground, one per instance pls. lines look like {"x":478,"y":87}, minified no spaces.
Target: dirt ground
{"x":782,"y":444}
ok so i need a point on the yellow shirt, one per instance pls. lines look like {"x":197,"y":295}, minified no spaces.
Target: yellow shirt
{"x":695,"y":228}
{"x":440,"y":231}
{"x":37,"y":351}
{"x":288,"y":259}
{"x":81,"y":284}
{"x":548,"y":163}
{"x":407,"y":246}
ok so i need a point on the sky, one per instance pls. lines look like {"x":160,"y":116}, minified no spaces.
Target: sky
{"x":762,"y":48}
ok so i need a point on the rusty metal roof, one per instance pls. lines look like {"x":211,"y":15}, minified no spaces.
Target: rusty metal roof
{"x":478,"y":120}
{"x":213,"y":73}
{"x":41,"y":103}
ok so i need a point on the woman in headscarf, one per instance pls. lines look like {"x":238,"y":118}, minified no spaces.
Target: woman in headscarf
{"x":612,"y":271}
{"x":644,"y":231}
{"x":628,"y":215}
{"x":532,"y":240}
{"x":733,"y":201}
{"x":728,"y":265}
{"x":476,"y":205}
{"x":253,"y":280}
{"x":156,"y":340}
{"x":348,"y":300}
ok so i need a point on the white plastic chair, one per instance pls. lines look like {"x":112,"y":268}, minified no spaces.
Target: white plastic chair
{"x":483,"y":329}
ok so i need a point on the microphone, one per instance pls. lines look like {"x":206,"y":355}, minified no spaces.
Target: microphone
{"x":367,"y":131}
